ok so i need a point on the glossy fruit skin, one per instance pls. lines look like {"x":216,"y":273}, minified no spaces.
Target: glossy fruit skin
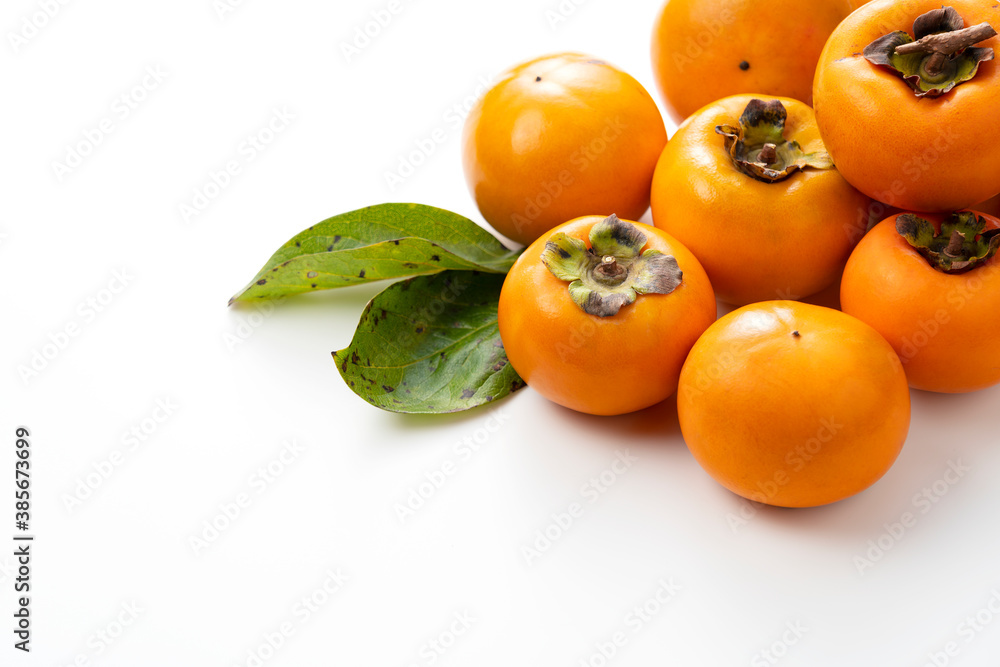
{"x":757,"y":241}
{"x":917,"y":154}
{"x":945,"y":328}
{"x":793,"y":420}
{"x":699,"y":46}
{"x":559,"y":137}
{"x":601,"y":365}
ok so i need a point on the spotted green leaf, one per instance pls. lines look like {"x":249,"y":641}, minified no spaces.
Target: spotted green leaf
{"x":377,"y":243}
{"x":430,"y":344}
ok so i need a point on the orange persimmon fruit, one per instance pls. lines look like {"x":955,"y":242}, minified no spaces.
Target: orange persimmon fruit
{"x":794,"y":405}
{"x":559,"y":137}
{"x":598,"y":314}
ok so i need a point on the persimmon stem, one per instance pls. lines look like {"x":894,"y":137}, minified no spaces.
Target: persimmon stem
{"x":768,"y":154}
{"x":610,"y":271}
{"x":954,"y":244}
{"x":940,"y":46}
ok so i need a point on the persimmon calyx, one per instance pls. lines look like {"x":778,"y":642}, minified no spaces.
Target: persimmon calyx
{"x":962,"y":244}
{"x":758,"y":146}
{"x":613,"y":271}
{"x":940,"y":55}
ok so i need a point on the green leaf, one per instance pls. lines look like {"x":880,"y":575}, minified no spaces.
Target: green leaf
{"x":430,"y":344}
{"x":377,"y":243}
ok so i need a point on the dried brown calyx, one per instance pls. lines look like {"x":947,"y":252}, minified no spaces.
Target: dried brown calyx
{"x":758,"y":146}
{"x":940,"y":55}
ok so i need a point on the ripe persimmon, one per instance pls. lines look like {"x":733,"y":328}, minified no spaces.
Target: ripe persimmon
{"x":747,"y":186}
{"x":792,"y":404}
{"x":598,"y":314}
{"x":930,"y":284}
{"x":704,"y":50}
{"x":905,"y":98}
{"x":560,"y":137}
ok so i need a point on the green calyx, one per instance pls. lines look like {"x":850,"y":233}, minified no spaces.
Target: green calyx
{"x":613,"y":271}
{"x":962,"y":244}
{"x":758,"y":147}
{"x":938,"y":57}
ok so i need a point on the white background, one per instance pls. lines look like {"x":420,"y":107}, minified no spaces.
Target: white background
{"x":168,"y":336}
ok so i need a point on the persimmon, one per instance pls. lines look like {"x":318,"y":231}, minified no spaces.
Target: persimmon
{"x":906,"y":98}
{"x":930,"y":284}
{"x":791,"y":404}
{"x":748,"y":187}
{"x":598,"y":314}
{"x":560,"y":137}
{"x":704,"y":50}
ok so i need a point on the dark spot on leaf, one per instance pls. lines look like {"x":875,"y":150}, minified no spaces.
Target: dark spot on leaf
{"x":442,"y":355}
{"x":409,"y":265}
{"x":796,"y":334}
{"x":744,"y":65}
{"x":298,"y":244}
{"x":310,"y":229}
{"x":352,"y":383}
{"x":396,"y":242}
{"x":329,"y":248}
{"x":336,"y":239}
{"x":388,"y":389}
{"x":499,"y":366}
{"x":362,"y":274}
{"x":435,"y":258}
{"x":355,"y":359}
{"x":420,"y":329}
{"x":275,"y":269}
{"x":262,"y":281}
{"x":284,"y":264}
{"x":467,"y":394}
{"x":314,"y":285}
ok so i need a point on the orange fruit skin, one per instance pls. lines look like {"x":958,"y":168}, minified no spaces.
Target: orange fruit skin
{"x":757,"y":241}
{"x":559,"y":137}
{"x":698,"y":46}
{"x":945,"y":328}
{"x":990,"y":207}
{"x":793,"y":421}
{"x":602,"y":365}
{"x":917,"y":154}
